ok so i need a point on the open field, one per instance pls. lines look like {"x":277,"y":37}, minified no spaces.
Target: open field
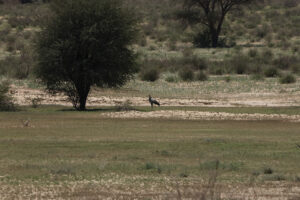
{"x":59,"y":153}
{"x":228,"y":127}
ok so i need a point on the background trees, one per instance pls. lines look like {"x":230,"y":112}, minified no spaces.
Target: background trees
{"x":86,"y":43}
{"x":210,"y":13}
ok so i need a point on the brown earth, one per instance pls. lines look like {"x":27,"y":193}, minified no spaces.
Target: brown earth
{"x":24,"y":96}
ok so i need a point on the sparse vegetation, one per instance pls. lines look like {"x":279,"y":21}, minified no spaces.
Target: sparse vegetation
{"x":187,"y":74}
{"x":287,"y":79}
{"x":231,"y":131}
{"x":150,"y":75}
{"x":6,"y":103}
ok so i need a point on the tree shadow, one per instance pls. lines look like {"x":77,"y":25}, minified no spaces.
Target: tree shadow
{"x":108,"y":109}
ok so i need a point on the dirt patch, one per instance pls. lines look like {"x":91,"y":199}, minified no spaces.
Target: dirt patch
{"x":110,"y":189}
{"x":198,"y":115}
{"x":24,"y":96}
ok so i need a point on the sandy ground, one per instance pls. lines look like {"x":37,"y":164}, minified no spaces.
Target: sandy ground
{"x":24,"y":96}
{"x":120,"y":189}
{"x":198,"y":115}
{"x":110,"y":189}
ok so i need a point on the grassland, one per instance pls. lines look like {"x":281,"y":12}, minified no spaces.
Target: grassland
{"x":53,"y":152}
{"x":60,"y":146}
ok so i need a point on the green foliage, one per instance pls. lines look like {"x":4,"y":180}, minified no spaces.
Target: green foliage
{"x":187,"y":74}
{"x":287,"y":79}
{"x":150,"y":75}
{"x":201,"y":76}
{"x":199,"y":63}
{"x":202,"y":39}
{"x":239,"y":64}
{"x":86,"y":43}
{"x":171,"y":78}
{"x":18,"y":66}
{"x":285,"y":62}
{"x":271,"y":72}
{"x":257,"y":77}
{"x":227,"y":79}
{"x":252,"y":53}
{"x":6,"y":103}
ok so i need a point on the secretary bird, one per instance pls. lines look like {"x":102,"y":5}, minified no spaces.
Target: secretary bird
{"x":153,"y":101}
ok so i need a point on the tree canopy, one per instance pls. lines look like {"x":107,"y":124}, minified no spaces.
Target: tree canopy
{"x":210,"y":13}
{"x":85,"y":43}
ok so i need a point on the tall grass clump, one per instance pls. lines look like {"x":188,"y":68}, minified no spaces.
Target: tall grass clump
{"x":199,"y":63}
{"x":201,"y":76}
{"x":239,"y":64}
{"x":285,"y":62}
{"x":171,"y":78}
{"x":187,"y":74}
{"x":6,"y":103}
{"x":287,"y":79}
{"x":271,"y":72}
{"x":150,"y":75}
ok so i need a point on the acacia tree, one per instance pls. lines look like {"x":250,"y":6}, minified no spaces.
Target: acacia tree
{"x":85,"y":43}
{"x":210,"y":13}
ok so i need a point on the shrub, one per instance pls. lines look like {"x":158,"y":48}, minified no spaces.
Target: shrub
{"x":267,"y":55}
{"x":287,"y":79}
{"x":252,"y":53}
{"x":150,"y":75}
{"x":171,"y":78}
{"x":285,"y":62}
{"x":268,"y":171}
{"x":240,"y":64}
{"x":227,"y":79}
{"x":296,"y":68}
{"x":124,"y":106}
{"x":199,"y":63}
{"x":6,"y":103}
{"x":201,"y":76}
{"x":202,"y":39}
{"x":257,"y":77}
{"x":186,"y":74}
{"x":149,"y":166}
{"x":5,"y":29}
{"x":271,"y":72}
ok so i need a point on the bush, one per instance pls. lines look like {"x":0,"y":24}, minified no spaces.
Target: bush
{"x":6,"y":103}
{"x":268,"y":171}
{"x":171,"y":79}
{"x":202,"y":76}
{"x":124,"y":106}
{"x":287,"y":79}
{"x":227,"y":79}
{"x":150,"y":75}
{"x":257,"y":77}
{"x":252,"y":53}
{"x":271,"y":72}
{"x":186,"y":74}
{"x":285,"y":62}
{"x":267,"y":55}
{"x":240,"y":64}
{"x":199,"y":63}
{"x":202,"y":39}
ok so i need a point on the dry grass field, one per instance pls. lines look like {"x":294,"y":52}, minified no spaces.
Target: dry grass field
{"x":52,"y":152}
{"x":228,"y":127}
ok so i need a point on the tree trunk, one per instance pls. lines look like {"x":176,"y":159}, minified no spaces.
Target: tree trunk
{"x":82,"y":102}
{"x":83,"y":94}
{"x":214,"y":38}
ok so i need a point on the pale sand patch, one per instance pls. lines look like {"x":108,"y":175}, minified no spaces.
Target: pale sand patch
{"x":23,"y":96}
{"x":198,"y":115}
{"x":135,"y":189}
